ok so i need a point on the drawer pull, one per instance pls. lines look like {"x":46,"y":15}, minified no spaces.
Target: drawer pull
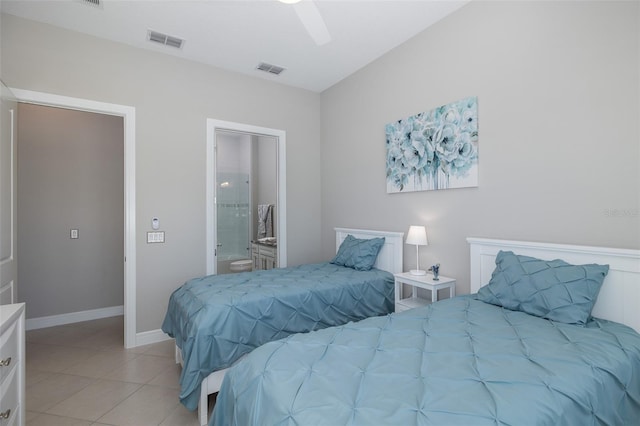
{"x":5,"y":362}
{"x":6,"y":414}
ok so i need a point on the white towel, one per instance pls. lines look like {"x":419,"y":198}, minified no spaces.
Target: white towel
{"x":265,"y":220}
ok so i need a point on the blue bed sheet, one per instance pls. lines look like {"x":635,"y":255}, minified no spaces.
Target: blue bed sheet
{"x":457,"y":362}
{"x":218,"y":319}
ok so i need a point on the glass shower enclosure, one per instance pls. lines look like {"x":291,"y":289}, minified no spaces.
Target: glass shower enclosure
{"x":234,"y":217}
{"x":233,"y":199}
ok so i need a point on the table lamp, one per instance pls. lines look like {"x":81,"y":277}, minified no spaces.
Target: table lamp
{"x":417,"y":236}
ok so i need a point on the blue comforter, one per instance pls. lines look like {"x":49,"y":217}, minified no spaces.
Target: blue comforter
{"x":457,"y":362}
{"x":218,"y":319}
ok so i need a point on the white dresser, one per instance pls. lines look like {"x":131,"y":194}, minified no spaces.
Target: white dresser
{"x":12,"y":365}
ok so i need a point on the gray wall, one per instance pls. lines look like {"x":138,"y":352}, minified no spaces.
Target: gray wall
{"x":173,"y":98}
{"x":558,"y":106}
{"x":70,"y":175}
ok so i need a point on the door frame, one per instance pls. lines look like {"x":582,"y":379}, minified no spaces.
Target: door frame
{"x":212,"y":126}
{"x":8,"y":267}
{"x":128,"y":114}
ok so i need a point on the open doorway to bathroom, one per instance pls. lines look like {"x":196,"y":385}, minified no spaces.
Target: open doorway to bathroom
{"x":246,"y":194}
{"x":246,"y":214}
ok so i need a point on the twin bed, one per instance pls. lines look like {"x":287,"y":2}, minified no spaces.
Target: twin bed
{"x":217,"y":320}
{"x":463,"y":360}
{"x":473,"y":359}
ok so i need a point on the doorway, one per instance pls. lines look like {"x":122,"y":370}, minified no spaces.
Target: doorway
{"x":246,"y":194}
{"x":233,"y":198}
{"x":70,"y":192}
{"x":242,"y":162}
{"x":128,"y":114}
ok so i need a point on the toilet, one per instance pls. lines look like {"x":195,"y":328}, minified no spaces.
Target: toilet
{"x":244,"y":265}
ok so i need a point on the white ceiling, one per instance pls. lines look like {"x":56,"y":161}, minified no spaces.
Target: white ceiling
{"x":238,"y":34}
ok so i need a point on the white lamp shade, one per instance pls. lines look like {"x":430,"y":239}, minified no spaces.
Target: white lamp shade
{"x":417,"y":235}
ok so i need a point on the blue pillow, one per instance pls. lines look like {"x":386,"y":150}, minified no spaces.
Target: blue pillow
{"x":554,"y":289}
{"x":357,"y":253}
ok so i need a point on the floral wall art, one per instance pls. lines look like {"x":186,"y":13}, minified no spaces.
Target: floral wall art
{"x":432,"y":150}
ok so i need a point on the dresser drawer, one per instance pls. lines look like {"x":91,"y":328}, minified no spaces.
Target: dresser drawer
{"x":12,"y":370}
{"x":9,"y":399}
{"x":9,"y":351}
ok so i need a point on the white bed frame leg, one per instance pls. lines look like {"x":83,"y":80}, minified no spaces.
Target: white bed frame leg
{"x":178,"y":355}
{"x":203,"y":406}
{"x":211,"y":384}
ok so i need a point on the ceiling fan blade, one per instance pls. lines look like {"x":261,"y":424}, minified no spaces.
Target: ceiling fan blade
{"x":310,"y":16}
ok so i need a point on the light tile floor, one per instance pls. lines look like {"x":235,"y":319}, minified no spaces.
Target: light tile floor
{"x":81,"y":375}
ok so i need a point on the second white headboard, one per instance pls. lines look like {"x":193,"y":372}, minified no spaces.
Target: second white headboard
{"x":619,"y":296}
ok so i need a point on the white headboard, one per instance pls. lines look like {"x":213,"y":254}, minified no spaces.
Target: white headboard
{"x":390,"y":256}
{"x":619,"y":297}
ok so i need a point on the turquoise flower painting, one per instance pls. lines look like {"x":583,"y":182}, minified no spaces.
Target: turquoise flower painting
{"x":437,"y":149}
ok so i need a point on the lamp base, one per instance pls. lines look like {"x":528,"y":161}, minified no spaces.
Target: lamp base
{"x":417,"y":272}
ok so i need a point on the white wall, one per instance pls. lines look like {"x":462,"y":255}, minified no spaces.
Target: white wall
{"x":173,"y":98}
{"x":234,"y":152}
{"x":558,"y":106}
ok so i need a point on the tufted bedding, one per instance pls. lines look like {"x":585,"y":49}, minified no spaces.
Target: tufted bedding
{"x":218,"y":319}
{"x":456,"y":362}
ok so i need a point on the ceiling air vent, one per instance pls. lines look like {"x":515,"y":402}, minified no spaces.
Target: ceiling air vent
{"x":165,"y":39}
{"x":94,"y":3}
{"x":273,"y":69}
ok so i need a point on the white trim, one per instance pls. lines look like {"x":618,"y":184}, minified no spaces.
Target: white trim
{"x":9,"y":288}
{"x":73,"y":317}
{"x":151,"y":336}
{"x":12,"y":194}
{"x":619,"y":297}
{"x":281,"y":135}
{"x":8,"y":265}
{"x":128,"y":114}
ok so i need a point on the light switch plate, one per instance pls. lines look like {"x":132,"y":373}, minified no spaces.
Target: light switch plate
{"x":74,"y":234}
{"x":155,"y":237}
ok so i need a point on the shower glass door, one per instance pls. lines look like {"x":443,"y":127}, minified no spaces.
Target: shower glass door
{"x":233,"y":199}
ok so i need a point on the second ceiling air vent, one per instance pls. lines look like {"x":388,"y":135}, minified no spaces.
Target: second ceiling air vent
{"x":94,"y":3}
{"x":273,"y":69}
{"x":165,"y":39}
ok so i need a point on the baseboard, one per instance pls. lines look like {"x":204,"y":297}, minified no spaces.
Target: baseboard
{"x":149,"y":337}
{"x":143,"y":338}
{"x":71,"y":317}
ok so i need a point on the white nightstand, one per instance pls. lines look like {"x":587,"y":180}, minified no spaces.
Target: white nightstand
{"x":420,"y":281}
